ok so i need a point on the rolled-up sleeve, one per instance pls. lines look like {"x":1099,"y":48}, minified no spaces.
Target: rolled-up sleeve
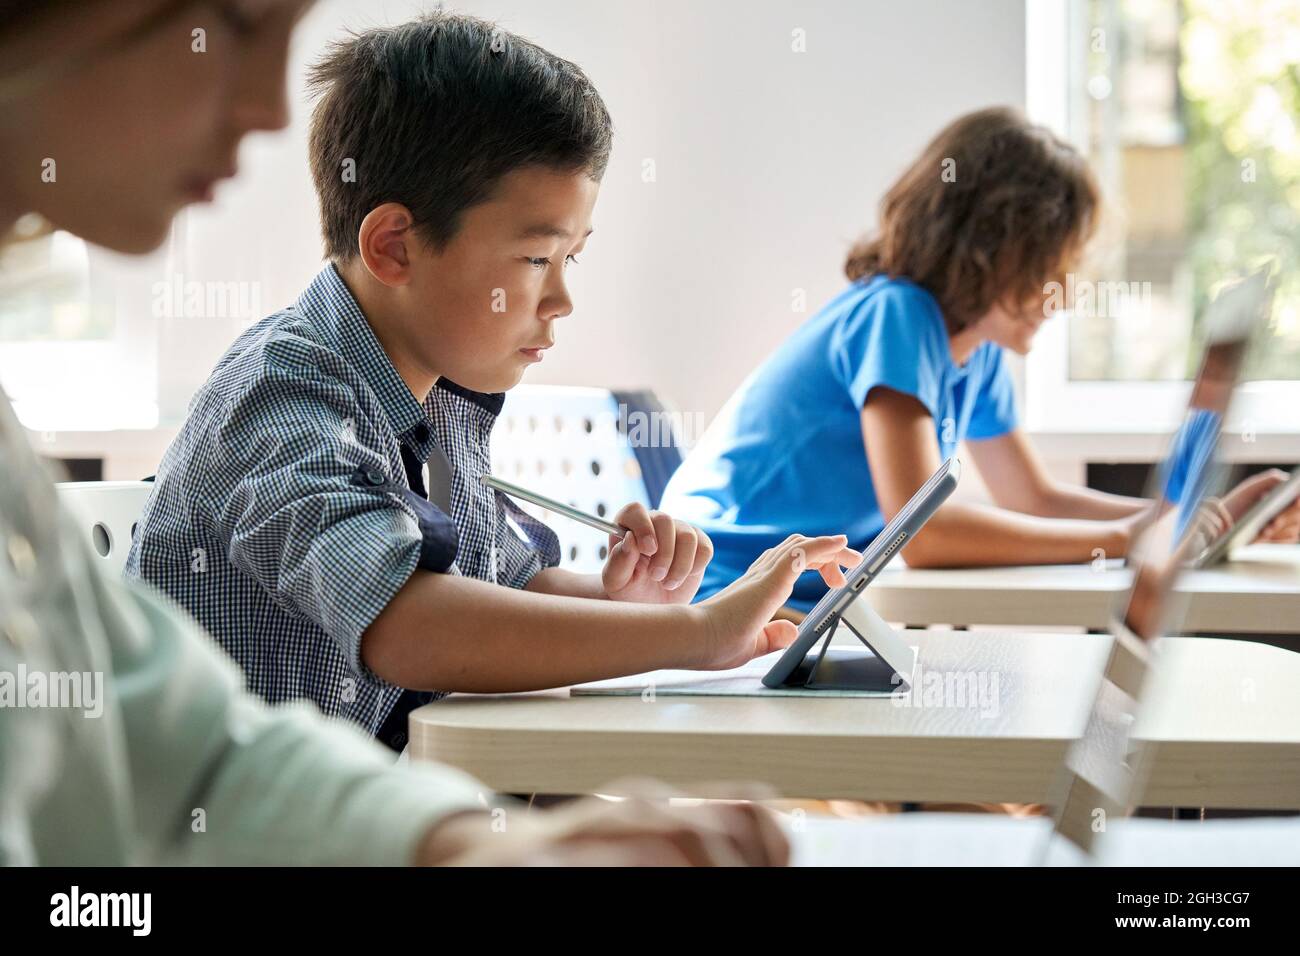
{"x":524,"y":544}
{"x":309,"y":508}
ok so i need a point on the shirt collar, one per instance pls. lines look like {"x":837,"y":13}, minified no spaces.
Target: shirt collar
{"x":490,"y":402}
{"x":472,"y":414}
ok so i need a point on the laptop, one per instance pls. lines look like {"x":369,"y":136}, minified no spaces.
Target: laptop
{"x":1105,"y":771}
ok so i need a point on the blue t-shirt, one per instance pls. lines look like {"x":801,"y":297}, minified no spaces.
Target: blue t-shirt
{"x":786,"y":452}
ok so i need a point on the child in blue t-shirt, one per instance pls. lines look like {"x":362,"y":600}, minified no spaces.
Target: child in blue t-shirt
{"x":840,"y":427}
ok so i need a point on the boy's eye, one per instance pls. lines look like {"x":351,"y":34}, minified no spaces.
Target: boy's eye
{"x":542,"y":262}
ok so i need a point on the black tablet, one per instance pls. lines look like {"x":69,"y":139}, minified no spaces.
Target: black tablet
{"x":886,"y":544}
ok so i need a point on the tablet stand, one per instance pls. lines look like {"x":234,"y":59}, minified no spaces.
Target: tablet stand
{"x":886,"y":669}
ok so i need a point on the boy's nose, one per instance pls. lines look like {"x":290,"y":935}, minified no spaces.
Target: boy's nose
{"x":557,"y":306}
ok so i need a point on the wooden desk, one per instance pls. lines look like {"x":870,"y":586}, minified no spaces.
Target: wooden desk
{"x":1257,"y":593}
{"x":1217,"y":750}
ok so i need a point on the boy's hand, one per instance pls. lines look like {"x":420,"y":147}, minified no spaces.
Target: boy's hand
{"x":740,"y":616}
{"x":658,"y":561}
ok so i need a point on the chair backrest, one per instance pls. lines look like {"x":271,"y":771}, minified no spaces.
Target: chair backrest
{"x":566,"y":443}
{"x":652,"y":431}
{"x":107,"y":512}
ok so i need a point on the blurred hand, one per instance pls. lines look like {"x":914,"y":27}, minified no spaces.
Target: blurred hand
{"x":1285,"y":527}
{"x":1212,"y":521}
{"x":641,"y":830}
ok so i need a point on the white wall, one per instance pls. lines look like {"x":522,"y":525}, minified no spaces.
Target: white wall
{"x":768,"y":163}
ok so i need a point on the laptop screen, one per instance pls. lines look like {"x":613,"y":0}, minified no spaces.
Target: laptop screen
{"x":1177,"y":527}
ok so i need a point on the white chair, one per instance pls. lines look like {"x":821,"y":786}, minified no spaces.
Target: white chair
{"x":565,"y":443}
{"x":107,"y":511}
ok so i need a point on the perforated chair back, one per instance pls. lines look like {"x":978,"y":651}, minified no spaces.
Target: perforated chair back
{"x":565,"y":443}
{"x":107,"y":512}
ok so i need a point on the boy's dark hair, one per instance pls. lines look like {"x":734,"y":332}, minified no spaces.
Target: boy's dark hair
{"x":1014,"y":214}
{"x":433,"y":113}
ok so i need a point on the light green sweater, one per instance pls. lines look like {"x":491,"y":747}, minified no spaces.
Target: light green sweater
{"x":173,"y":762}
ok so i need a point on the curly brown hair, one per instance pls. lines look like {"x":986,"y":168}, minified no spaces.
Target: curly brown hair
{"x":992,"y":211}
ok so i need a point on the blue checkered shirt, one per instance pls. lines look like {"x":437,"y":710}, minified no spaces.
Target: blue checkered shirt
{"x":290,"y":509}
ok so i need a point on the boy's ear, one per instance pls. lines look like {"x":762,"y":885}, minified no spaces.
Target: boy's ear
{"x":385,"y":240}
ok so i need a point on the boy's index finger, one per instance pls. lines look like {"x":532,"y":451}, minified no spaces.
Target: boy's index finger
{"x":802,"y":553}
{"x":821,"y":549}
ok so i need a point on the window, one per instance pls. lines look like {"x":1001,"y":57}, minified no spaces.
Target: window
{"x":44,"y":290}
{"x":76,"y":348}
{"x":1187,"y":110}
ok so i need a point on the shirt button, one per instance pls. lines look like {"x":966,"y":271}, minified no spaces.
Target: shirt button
{"x":420,"y":433}
{"x":374,"y":476}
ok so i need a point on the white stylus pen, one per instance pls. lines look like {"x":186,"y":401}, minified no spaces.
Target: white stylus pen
{"x":558,"y":507}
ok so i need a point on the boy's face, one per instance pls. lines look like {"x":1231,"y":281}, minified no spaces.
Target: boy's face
{"x":487,"y":301}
